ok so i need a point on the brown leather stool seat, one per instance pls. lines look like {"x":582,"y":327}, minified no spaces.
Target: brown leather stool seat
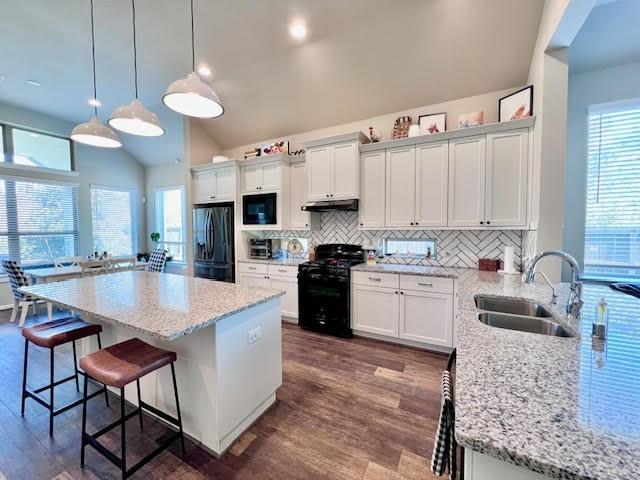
{"x":125,"y":362}
{"x":60,"y":331}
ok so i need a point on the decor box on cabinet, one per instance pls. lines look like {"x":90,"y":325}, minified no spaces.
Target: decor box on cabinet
{"x":273,"y":275}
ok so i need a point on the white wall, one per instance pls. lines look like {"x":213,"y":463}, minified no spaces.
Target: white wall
{"x":201,"y":147}
{"x":116,"y":168}
{"x":585,"y":89}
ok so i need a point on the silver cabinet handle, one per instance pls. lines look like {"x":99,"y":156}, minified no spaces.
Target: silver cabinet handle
{"x":425,"y":284}
{"x":374,"y":279}
{"x":282,"y":270}
{"x":251,"y":268}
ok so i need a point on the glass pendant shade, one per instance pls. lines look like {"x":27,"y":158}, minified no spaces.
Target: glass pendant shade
{"x":96,"y":134}
{"x":135,"y":119}
{"x":192,"y":97}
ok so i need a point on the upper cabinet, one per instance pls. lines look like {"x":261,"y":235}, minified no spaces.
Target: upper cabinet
{"x":301,"y":220}
{"x":261,"y":177}
{"x":333,"y":167}
{"x":372,"y":189}
{"x":466,"y":182}
{"x":214,"y":183}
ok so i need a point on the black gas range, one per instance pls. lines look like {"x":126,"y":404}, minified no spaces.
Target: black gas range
{"x":324,"y":289}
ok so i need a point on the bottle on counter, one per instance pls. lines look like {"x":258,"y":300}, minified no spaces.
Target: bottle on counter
{"x":601,"y":320}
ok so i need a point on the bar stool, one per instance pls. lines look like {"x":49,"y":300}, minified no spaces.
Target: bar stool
{"x":50,"y":335}
{"x":117,"y":366}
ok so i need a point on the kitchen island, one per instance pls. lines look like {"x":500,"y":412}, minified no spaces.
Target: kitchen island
{"x":227,"y":338}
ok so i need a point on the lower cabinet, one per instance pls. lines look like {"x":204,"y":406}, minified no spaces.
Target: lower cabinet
{"x":273,"y":276}
{"x":254,"y":280}
{"x":416,"y":316}
{"x":290,"y":300}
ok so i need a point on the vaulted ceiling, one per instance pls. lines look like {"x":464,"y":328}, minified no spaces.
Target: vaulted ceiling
{"x":361,"y":58}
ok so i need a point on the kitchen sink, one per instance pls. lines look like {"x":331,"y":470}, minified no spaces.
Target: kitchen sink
{"x":524,"y":324}
{"x":515,"y":307}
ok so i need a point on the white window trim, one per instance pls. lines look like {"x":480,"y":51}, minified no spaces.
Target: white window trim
{"x":184,"y":220}
{"x":134,"y":222}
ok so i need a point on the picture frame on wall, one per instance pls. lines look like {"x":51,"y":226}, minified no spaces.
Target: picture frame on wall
{"x":432,"y":123}
{"x":471,"y":119}
{"x":516,"y":105}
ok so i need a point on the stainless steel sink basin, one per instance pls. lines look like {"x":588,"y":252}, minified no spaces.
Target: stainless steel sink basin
{"x":524,"y":324}
{"x":515,"y":307}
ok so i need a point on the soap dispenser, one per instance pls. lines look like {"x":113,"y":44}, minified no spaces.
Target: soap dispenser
{"x":601,"y":320}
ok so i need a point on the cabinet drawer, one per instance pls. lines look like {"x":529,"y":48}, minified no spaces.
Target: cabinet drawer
{"x":253,"y":268}
{"x":282,"y":270}
{"x":375,"y":279}
{"x":426,"y":284}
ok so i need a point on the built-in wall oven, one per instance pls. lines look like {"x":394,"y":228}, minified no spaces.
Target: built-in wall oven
{"x":259,"y":209}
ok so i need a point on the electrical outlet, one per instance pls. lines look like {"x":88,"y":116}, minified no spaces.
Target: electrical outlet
{"x":254,"y":335}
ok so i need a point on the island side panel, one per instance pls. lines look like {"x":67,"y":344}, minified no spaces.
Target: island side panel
{"x":248,"y":367}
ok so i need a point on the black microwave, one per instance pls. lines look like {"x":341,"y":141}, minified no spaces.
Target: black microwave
{"x":259,"y":209}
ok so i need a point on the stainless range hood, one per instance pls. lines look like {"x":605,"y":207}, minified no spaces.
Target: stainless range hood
{"x":330,"y":205}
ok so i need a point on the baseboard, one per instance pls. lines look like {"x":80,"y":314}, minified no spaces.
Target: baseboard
{"x":402,"y":341}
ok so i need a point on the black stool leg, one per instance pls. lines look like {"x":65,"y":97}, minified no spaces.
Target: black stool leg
{"x":84,"y":419}
{"x":51,"y":407}
{"x":139,"y":402}
{"x":106,"y":390}
{"x":123,"y":434}
{"x":175,"y":390}
{"x":75,"y":365}
{"x":24,"y":376}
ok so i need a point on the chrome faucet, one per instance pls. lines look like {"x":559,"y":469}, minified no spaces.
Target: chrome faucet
{"x":574,"y":302}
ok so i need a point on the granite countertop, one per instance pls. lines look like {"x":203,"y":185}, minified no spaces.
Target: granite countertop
{"x":446,"y":272}
{"x":162,"y":305}
{"x":292,"y":262}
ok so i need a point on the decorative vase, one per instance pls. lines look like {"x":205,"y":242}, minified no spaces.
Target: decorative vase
{"x":414,"y":130}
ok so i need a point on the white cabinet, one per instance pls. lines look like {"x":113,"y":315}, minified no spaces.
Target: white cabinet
{"x":375,"y":310}
{"x":466,"y":182}
{"x":254,"y":280}
{"x":273,"y":275}
{"x":372,"y":189}
{"x":409,"y":308}
{"x":290,"y":299}
{"x":215,"y":185}
{"x":417,"y":186}
{"x":300,"y":220}
{"x":506,"y":178}
{"x":333,"y":171}
{"x":261,"y":176}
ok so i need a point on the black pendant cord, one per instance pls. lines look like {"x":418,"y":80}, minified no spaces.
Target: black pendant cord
{"x":93,"y":56}
{"x":135,"y":50}
{"x":193,"y":43}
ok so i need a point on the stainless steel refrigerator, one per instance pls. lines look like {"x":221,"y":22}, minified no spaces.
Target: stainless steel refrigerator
{"x":213,"y":237}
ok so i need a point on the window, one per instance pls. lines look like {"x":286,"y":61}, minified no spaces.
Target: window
{"x":415,"y":248}
{"x":170,"y":221}
{"x":113,"y":216}
{"x":34,"y":149}
{"x":38,"y":220}
{"x":612,"y":225}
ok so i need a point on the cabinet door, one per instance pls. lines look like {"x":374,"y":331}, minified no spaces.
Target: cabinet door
{"x":289,"y":305}
{"x":507,"y":168}
{"x":299,"y":218}
{"x":204,"y":184}
{"x":270,"y":175}
{"x":372,"y":190}
{"x":432,"y":166}
{"x":254,"y":280}
{"x":251,"y":178}
{"x":375,"y":310}
{"x":466,"y":182}
{"x":426,"y":317}
{"x":346,"y":167}
{"x":225,"y":184}
{"x":319,"y":173}
{"x":401,"y":196}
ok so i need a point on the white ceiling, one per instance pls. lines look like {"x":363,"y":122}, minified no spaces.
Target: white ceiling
{"x":610,"y":36}
{"x":362,"y":58}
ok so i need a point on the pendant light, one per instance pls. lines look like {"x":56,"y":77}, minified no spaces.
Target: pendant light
{"x":134,"y":118}
{"x":191,"y":96}
{"x":94,"y":132}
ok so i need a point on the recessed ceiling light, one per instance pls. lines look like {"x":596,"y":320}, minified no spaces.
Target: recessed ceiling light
{"x":204,"y":71}
{"x":94,"y":102}
{"x":33,"y":83}
{"x":298,"y":30}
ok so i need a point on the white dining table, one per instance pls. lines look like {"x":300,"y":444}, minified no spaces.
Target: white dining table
{"x":58,"y":274}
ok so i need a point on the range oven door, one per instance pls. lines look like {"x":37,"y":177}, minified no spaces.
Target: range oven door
{"x":259,"y":209}
{"x":324,"y":303}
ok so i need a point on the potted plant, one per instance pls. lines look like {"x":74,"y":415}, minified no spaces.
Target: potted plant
{"x":155,"y":238}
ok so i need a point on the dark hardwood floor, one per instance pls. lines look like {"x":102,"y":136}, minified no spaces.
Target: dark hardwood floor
{"x":347,"y":409}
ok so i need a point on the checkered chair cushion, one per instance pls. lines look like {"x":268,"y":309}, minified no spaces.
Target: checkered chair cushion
{"x":157,"y":260}
{"x":17,"y":278}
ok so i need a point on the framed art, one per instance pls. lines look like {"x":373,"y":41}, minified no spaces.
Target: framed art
{"x":432,"y":123}
{"x":516,"y":105}
{"x":472,"y":119}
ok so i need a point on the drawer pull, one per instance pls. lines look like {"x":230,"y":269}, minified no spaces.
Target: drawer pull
{"x":251,"y":268}
{"x":282,"y":270}
{"x":374,"y":279}
{"x":425,"y":284}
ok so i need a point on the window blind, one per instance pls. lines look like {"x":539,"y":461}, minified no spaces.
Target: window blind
{"x":38,"y":220}
{"x":114,"y":223}
{"x":170,"y":221}
{"x":612,"y":227}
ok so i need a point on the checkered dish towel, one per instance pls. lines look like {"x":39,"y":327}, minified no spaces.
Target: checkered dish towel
{"x":444,"y":447}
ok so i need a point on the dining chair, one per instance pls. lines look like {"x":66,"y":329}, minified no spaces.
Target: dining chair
{"x":157,"y":260}
{"x":18,"y":279}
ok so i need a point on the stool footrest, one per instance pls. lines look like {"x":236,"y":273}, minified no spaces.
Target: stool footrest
{"x":165,"y":416}
{"x":32,"y":395}
{"x":56,"y":383}
{"x":89,"y":440}
{"x":115,"y":424}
